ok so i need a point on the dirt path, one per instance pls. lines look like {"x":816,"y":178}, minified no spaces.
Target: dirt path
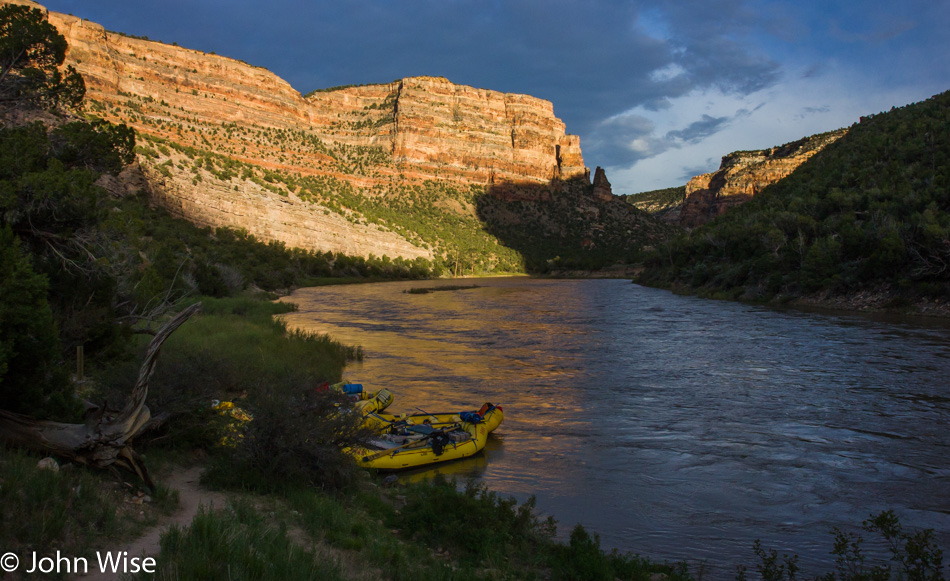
{"x":191,"y":498}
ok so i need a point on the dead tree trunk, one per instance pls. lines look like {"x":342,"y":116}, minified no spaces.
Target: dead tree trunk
{"x":104,"y":439}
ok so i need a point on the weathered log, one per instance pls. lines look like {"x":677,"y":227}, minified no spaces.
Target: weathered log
{"x":104,"y":439}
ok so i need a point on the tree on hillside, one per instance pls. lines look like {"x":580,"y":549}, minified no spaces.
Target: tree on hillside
{"x":49,"y":199}
{"x":31,"y":54}
{"x":31,"y":376}
{"x":56,"y":278}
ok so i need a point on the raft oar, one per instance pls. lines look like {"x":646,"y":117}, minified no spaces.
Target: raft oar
{"x":388,"y":451}
{"x":433,"y":416}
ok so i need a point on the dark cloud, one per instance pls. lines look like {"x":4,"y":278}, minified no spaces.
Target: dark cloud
{"x":623,"y":140}
{"x":809,"y":111}
{"x":698,"y":130}
{"x":627,"y":139}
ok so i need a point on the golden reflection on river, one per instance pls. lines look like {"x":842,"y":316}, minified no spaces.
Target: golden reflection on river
{"x":455,"y":350}
{"x":672,"y":426}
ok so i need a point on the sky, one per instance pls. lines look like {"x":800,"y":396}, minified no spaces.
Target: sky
{"x":658,"y":90}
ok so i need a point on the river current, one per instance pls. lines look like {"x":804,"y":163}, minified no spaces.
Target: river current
{"x":673,"y":427}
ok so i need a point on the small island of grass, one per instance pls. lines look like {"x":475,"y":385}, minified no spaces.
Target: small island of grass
{"x":427,"y":290}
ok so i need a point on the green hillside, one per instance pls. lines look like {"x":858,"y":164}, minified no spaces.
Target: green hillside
{"x":664,"y":204}
{"x":868,"y":212}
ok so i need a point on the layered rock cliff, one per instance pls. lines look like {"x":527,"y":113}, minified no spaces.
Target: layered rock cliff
{"x":376,"y":140}
{"x":743,"y":174}
{"x":434,"y":128}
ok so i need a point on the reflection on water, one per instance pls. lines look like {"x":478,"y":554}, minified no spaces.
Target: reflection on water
{"x":672,"y":426}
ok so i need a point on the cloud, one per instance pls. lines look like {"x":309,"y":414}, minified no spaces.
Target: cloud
{"x":698,"y":130}
{"x":624,"y":140}
{"x":812,"y":111}
{"x":880,"y":33}
{"x":629,"y":138}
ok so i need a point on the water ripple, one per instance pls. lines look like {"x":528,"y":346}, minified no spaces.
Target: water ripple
{"x":673,"y":426}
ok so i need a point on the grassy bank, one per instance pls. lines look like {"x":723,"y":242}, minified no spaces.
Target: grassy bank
{"x":429,"y":531}
{"x":71,"y":509}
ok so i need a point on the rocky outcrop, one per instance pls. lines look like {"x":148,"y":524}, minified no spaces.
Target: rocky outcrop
{"x":375,"y":139}
{"x":601,"y":187}
{"x":743,"y":174}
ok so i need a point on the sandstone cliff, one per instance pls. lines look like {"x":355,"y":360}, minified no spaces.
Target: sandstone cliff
{"x":743,"y":174}
{"x":375,"y":140}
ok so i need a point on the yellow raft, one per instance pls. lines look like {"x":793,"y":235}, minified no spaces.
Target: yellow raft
{"x":421,"y":445}
{"x":489,"y":415}
{"x":367,"y":402}
{"x":377,"y":402}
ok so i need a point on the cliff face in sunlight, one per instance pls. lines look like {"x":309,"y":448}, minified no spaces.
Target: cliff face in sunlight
{"x":433,"y":128}
{"x":373,"y":141}
{"x":743,"y":174}
{"x":427,"y":126}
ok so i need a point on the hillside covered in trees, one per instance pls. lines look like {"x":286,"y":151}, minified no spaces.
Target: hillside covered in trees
{"x":871,"y":212}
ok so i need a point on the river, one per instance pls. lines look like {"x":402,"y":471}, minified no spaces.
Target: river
{"x":673,"y":427}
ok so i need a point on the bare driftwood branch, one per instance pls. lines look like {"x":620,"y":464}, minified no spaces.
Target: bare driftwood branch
{"x":104,"y":439}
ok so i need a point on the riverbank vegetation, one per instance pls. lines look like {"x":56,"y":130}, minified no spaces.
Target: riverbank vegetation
{"x":428,"y":530}
{"x":869,"y":212}
{"x":432,"y":529}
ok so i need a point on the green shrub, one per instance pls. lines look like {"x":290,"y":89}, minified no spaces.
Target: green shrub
{"x":73,"y":510}
{"x":295,"y":438}
{"x":494,"y":527}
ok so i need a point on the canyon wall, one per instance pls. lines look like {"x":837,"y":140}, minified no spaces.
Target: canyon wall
{"x":374,"y":139}
{"x":743,"y":174}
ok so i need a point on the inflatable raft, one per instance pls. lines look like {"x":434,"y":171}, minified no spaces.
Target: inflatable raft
{"x":377,"y":402}
{"x":421,"y":445}
{"x":489,"y":415}
{"x":367,"y":402}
